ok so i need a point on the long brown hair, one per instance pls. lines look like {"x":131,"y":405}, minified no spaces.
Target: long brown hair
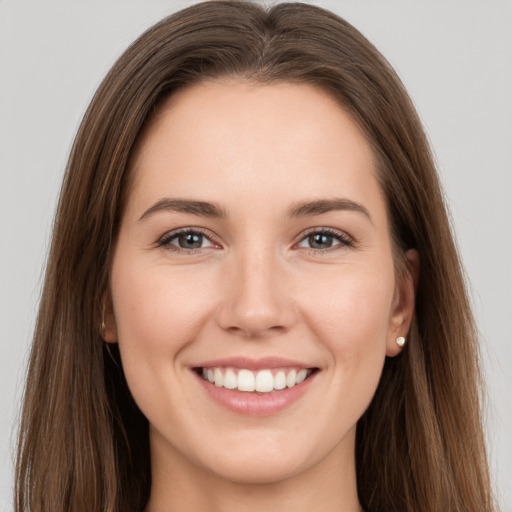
{"x":83,"y":444}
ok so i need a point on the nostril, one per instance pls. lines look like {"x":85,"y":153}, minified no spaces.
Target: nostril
{"x":255,"y":332}
{"x":256,"y":311}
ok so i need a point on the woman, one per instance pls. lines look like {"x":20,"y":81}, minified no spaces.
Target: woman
{"x":253,"y":297}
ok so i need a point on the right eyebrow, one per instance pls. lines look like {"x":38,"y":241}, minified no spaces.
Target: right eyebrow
{"x":202,"y":208}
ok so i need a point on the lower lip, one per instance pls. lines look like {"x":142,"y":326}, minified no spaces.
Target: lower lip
{"x":256,"y":404}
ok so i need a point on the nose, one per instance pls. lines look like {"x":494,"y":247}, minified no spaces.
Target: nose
{"x":256,"y":299}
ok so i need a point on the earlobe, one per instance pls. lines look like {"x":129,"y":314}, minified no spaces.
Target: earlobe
{"x":403,"y":309}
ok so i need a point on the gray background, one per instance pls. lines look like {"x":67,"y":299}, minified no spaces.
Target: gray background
{"x":455,"y":58}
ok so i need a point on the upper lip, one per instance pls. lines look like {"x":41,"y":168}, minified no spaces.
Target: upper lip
{"x":253,"y":364}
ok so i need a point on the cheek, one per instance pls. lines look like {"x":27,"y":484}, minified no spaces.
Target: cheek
{"x":351,"y":317}
{"x":157,"y":308}
{"x":350,"y":314}
{"x":158,"y":313}
{"x":352,"y":308}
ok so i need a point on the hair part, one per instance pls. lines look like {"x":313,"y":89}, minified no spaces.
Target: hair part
{"x":83,"y":442}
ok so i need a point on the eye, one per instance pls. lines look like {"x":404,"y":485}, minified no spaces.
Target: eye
{"x":325,"y":239}
{"x":185,"y":240}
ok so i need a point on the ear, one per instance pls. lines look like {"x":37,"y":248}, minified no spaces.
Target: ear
{"x":108,"y":326}
{"x":403,"y":304}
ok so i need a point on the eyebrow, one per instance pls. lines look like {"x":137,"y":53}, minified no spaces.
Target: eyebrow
{"x":320,"y":206}
{"x":201,"y":208}
{"x":215,"y":210}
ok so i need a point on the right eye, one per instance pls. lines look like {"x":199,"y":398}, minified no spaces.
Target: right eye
{"x":188,"y":240}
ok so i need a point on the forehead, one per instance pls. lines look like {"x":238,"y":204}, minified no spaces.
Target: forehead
{"x":263,"y":142}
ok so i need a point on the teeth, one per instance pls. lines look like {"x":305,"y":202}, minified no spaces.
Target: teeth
{"x":291,"y":379}
{"x":230,"y":380}
{"x":280,"y":380}
{"x":245,"y":380}
{"x":300,"y":376}
{"x":263,"y":381}
{"x":218,"y":377}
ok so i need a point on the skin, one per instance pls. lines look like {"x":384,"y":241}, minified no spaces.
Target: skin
{"x":255,"y":288}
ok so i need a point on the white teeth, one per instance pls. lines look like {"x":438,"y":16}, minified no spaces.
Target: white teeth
{"x":280,"y":380}
{"x":300,"y":376}
{"x":219,"y":378}
{"x":291,"y":379}
{"x":230,"y":380}
{"x":245,"y":380}
{"x":263,"y":381}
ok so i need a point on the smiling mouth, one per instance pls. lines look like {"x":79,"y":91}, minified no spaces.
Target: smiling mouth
{"x":262,"y":381}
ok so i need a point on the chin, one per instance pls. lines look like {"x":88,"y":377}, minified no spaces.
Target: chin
{"x":263,"y":470}
{"x":268,"y":458}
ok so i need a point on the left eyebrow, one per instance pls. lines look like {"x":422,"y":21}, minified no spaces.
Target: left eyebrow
{"x":320,"y":206}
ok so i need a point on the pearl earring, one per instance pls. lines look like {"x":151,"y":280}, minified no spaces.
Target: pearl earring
{"x":400,"y":341}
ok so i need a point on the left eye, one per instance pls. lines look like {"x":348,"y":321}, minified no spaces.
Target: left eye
{"x":186,"y":240}
{"x":319,"y":240}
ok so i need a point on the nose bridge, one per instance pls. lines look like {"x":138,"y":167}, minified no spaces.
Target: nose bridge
{"x":256,"y":301}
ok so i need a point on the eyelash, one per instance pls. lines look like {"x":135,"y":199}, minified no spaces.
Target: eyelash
{"x":165,"y":241}
{"x":343,"y":239}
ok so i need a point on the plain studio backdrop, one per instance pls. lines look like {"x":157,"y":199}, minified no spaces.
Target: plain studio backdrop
{"x":455,"y":58}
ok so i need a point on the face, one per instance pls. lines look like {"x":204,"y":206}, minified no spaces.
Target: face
{"x":253,"y":287}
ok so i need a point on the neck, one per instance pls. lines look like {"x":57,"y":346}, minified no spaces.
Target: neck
{"x":178,"y":484}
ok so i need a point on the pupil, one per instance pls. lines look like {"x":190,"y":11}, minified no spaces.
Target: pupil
{"x":320,"y":241}
{"x":190,"y":241}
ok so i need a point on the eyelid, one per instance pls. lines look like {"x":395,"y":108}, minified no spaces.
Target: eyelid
{"x":164,"y":240}
{"x":344,"y":239}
